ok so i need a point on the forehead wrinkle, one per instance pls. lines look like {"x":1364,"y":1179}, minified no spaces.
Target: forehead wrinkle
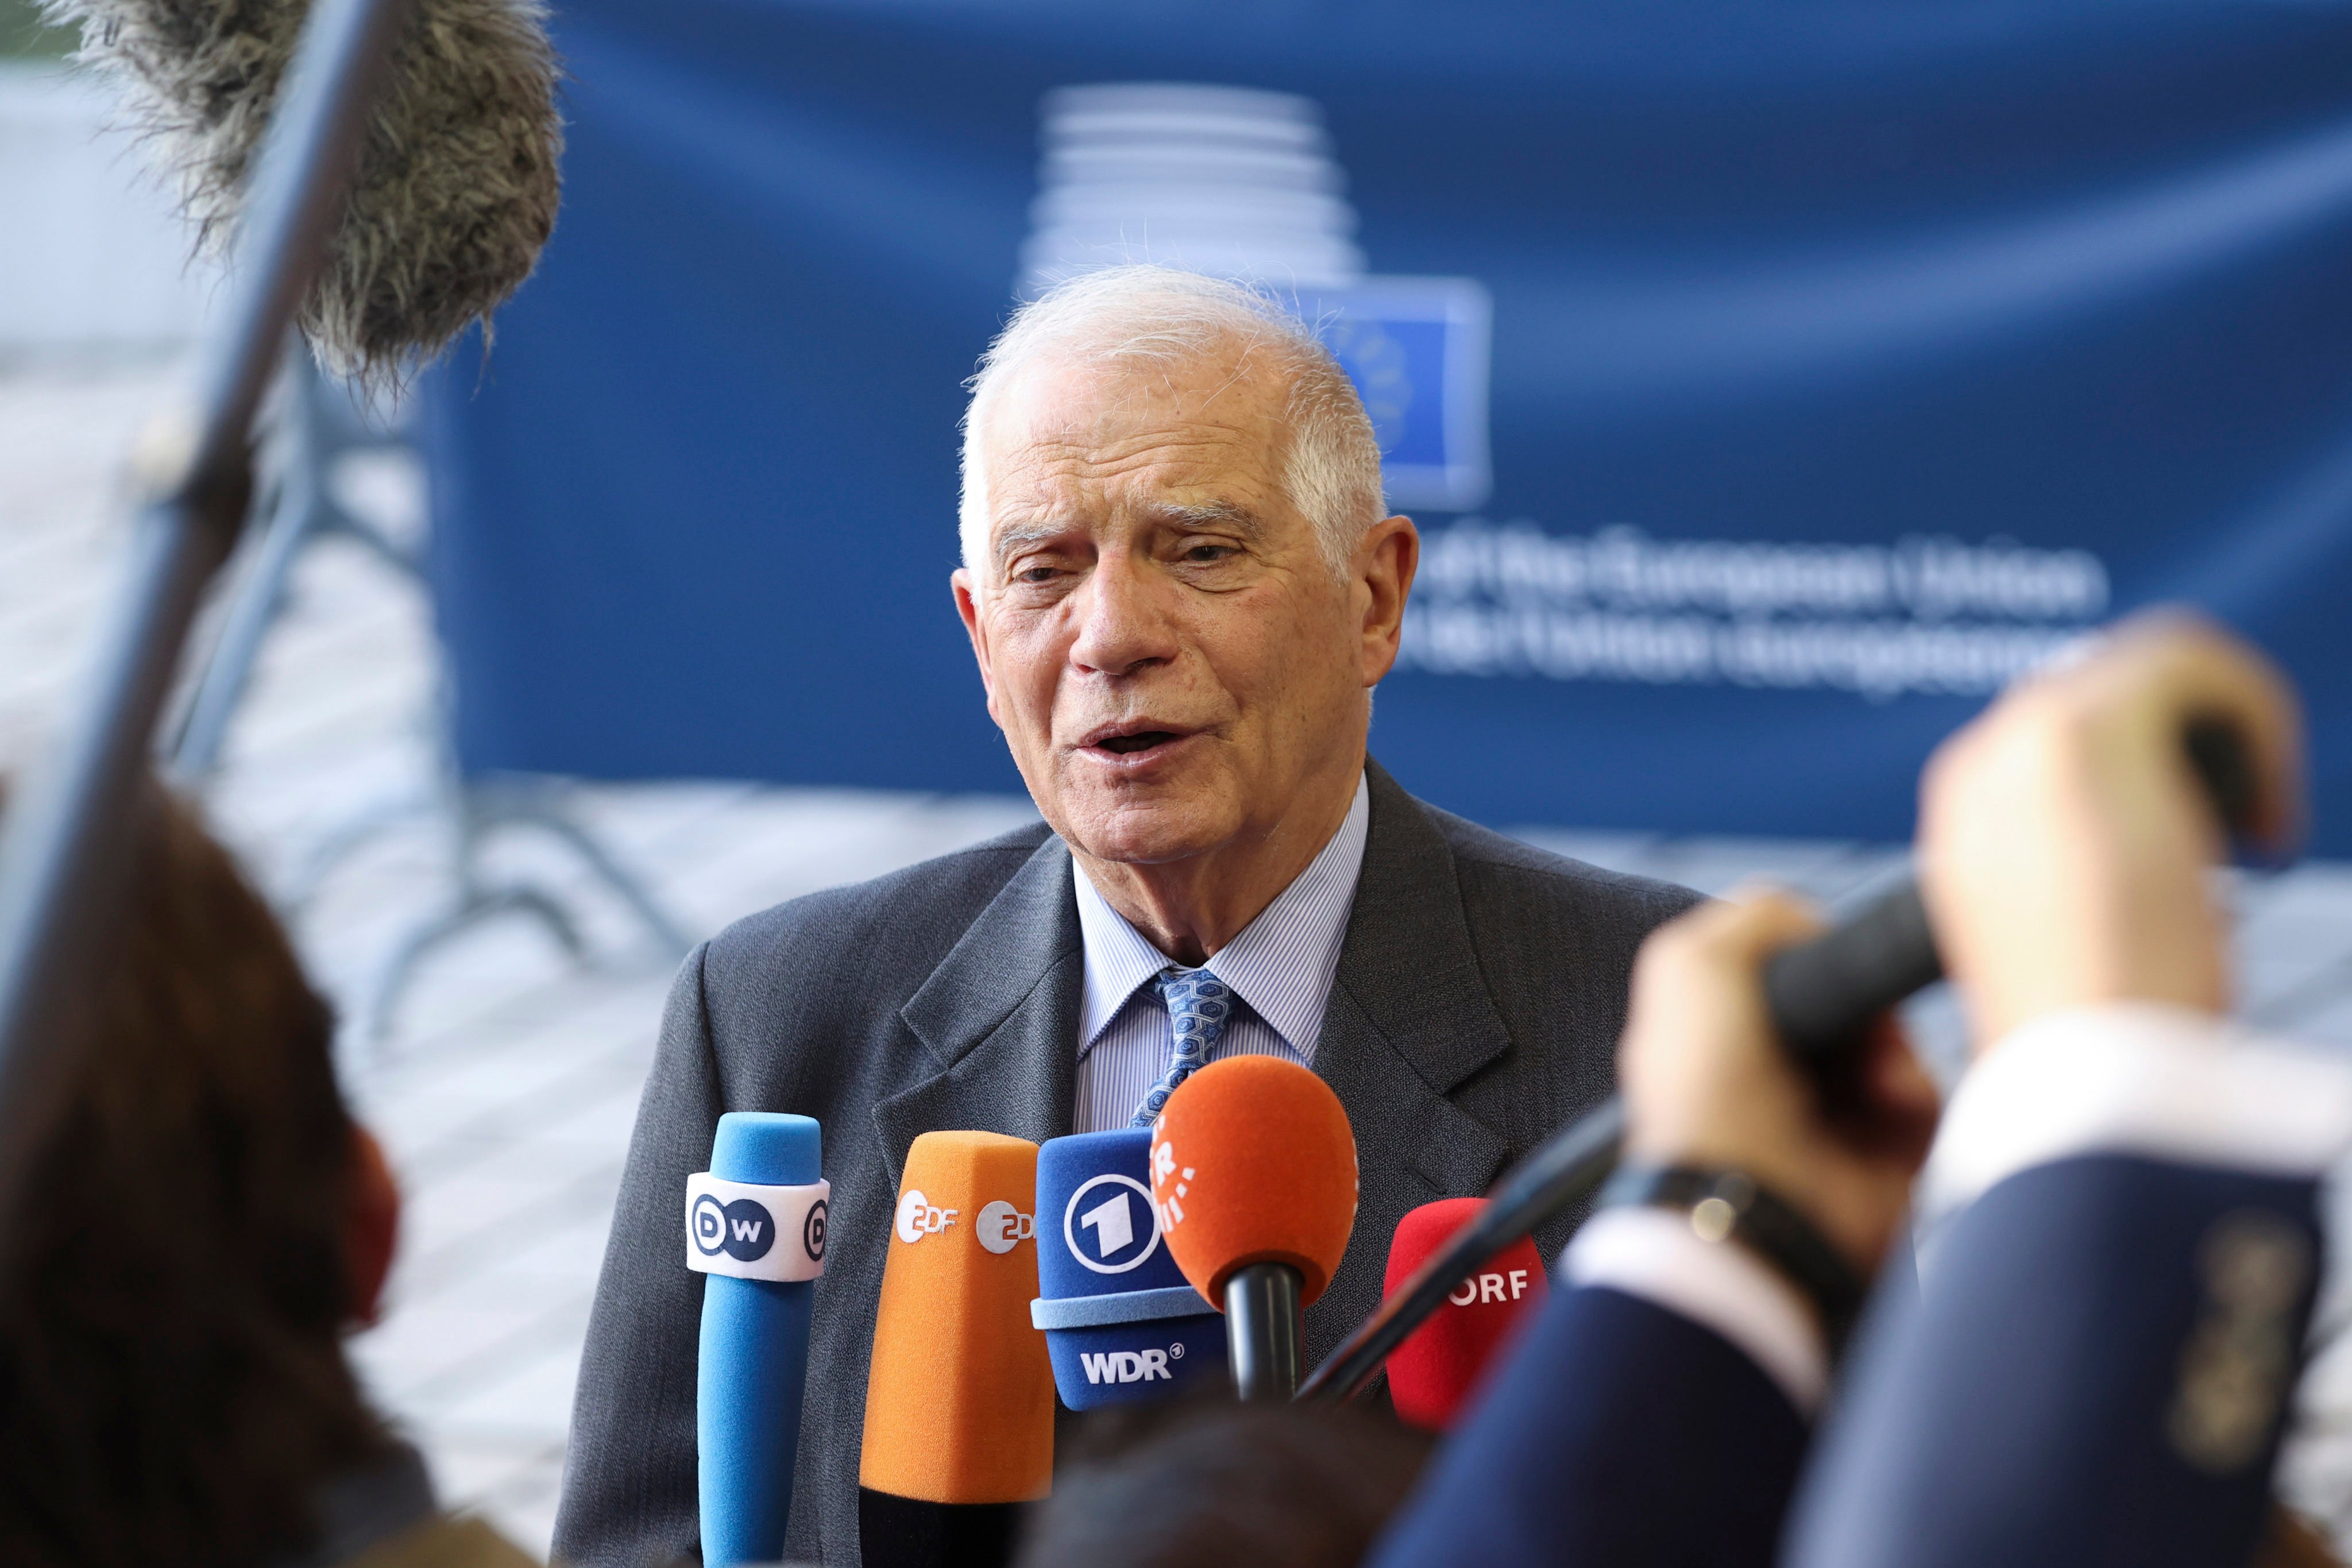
{"x":1051,"y":453}
{"x":1049,"y":457}
{"x":1230,"y":515}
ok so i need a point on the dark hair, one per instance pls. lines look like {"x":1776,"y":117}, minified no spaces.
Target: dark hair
{"x":1208,"y":1483}
{"x":172,"y":1385}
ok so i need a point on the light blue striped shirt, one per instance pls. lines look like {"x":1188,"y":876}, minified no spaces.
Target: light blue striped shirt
{"x":1280,"y":965}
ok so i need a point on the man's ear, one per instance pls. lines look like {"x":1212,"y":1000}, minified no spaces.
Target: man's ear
{"x":968,"y":606}
{"x":1385,"y":564}
{"x":370,"y":1229}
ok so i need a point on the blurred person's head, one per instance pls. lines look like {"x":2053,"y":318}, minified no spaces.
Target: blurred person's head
{"x":1207,"y":1482}
{"x":201,"y":1222}
{"x":1177,"y":575}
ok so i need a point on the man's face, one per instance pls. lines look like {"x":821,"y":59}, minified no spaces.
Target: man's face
{"x":1165,"y":647}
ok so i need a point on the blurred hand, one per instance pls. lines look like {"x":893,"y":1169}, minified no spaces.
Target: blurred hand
{"x":2065,"y":838}
{"x":1707,"y":1083}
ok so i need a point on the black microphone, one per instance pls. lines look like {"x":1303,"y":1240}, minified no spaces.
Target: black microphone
{"x":1824,"y":992}
{"x":1822,"y":995}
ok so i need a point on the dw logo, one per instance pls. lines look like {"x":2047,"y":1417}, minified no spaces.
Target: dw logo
{"x":743,"y":1229}
{"x":813,"y":1232}
{"x":1123,"y":1228}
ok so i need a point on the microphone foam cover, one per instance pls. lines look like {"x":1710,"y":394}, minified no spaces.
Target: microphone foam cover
{"x":1098,"y":1246}
{"x":960,"y":1394}
{"x":1434,"y":1374}
{"x":1253,"y":1161}
{"x":752,"y":1367}
{"x":457,"y":186}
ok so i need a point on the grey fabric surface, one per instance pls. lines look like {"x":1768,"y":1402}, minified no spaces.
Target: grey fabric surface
{"x":1476,"y":1009}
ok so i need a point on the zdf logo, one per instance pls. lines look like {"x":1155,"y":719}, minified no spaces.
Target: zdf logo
{"x":999,"y":1226}
{"x":743,"y":1230}
{"x":917,"y":1218}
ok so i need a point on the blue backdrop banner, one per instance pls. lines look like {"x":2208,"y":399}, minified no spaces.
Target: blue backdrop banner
{"x":1770,"y":382}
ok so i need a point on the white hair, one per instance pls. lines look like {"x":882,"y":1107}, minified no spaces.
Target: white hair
{"x":1145,"y":314}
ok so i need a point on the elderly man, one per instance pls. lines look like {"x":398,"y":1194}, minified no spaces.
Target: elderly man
{"x":1181,"y":587}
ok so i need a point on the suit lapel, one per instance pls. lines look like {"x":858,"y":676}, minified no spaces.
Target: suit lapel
{"x":1409,"y":1020}
{"x":998,"y":1018}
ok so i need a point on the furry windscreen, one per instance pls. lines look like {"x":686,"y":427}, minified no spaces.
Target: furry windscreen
{"x":458,"y":184}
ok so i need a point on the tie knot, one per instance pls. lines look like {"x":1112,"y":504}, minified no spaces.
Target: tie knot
{"x":1198,"y":1006}
{"x":1195,"y":997}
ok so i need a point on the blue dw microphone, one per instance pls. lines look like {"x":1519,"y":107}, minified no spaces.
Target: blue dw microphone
{"x":755,"y":1224}
{"x":1121,"y":1325}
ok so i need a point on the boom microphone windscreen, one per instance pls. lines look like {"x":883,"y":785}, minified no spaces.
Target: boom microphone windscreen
{"x":1253,"y":1161}
{"x":456,"y":187}
{"x":755,"y":1224}
{"x":1432,"y":1374}
{"x":1120,"y":1323}
{"x":960,"y":1396}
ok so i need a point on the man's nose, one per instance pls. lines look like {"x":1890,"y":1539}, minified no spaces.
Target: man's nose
{"x":1124,"y":623}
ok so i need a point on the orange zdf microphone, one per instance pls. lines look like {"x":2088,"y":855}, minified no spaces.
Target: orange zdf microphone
{"x":1254,"y":1173}
{"x":1433,"y":1374}
{"x":960,"y":1394}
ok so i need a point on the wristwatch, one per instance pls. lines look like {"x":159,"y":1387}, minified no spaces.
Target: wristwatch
{"x":1731,"y":1206}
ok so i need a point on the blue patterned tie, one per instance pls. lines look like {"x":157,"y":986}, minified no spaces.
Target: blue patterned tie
{"x":1199,"y":1004}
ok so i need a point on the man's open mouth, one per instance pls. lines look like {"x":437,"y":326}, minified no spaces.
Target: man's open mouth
{"x":1142,"y":741}
{"x":1133,"y":738}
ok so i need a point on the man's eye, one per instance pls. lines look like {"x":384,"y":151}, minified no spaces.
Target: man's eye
{"x":1208,"y":553}
{"x":1034,"y":575}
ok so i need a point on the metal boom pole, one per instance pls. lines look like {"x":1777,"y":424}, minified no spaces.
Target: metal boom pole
{"x":62,"y":858}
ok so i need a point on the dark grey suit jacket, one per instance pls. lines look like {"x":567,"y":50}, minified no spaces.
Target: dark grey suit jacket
{"x":1480,"y":991}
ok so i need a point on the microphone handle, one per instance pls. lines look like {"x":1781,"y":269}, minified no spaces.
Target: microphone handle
{"x":1823,"y":994}
{"x":751,"y":1377}
{"x":1265,"y":1331}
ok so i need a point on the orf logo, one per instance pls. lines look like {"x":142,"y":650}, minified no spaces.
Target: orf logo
{"x":743,"y":1230}
{"x":917,"y":1218}
{"x":1122,"y":1227}
{"x":1480,"y":1288}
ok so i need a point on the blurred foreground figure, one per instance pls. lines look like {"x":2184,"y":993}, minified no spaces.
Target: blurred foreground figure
{"x":1208,"y":1483}
{"x":204,"y":1223}
{"x":2120,"y":1211}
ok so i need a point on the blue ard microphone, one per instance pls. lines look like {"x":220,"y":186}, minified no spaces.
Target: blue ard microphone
{"x":1121,"y":1325}
{"x":754,"y":1224}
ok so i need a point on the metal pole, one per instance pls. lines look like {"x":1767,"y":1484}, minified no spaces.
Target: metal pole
{"x":61,"y":860}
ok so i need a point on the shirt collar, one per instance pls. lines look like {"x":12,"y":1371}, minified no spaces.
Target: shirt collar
{"x":1281,"y":964}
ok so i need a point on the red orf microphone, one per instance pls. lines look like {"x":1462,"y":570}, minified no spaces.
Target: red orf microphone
{"x":1433,"y":1374}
